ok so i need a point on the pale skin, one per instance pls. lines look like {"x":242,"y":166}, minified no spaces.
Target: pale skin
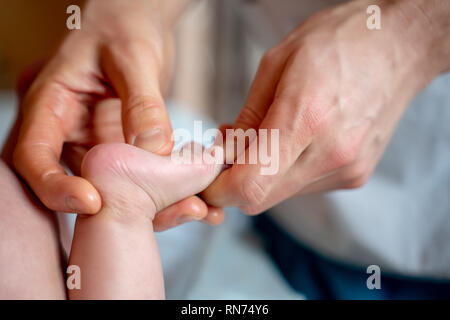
{"x":334,"y":89}
{"x":115,"y":249}
{"x":31,"y":260}
{"x":105,"y":83}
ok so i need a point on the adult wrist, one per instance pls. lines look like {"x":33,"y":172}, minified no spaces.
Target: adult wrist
{"x":428,"y":24}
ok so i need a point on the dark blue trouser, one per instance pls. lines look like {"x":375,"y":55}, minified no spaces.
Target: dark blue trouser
{"x":318,"y":277}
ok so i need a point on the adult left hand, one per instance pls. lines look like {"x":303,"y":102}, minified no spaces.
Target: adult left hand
{"x":336,"y":91}
{"x":106,"y":127}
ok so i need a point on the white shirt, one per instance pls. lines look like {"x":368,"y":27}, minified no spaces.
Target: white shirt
{"x":400,"y":220}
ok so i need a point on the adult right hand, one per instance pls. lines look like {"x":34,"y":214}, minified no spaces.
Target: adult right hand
{"x":123,"y":53}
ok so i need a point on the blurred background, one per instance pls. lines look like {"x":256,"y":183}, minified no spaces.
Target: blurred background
{"x":199,"y":261}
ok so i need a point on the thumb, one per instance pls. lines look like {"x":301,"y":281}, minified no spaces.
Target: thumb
{"x":262,"y":90}
{"x":135,"y":74}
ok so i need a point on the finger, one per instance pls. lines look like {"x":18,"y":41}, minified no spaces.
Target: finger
{"x":329,"y":183}
{"x":312,"y":174}
{"x":295,"y":179}
{"x":37,"y":154}
{"x":107,"y":121}
{"x":283,"y":134}
{"x":215,"y":216}
{"x":250,"y":178}
{"x":145,"y":119}
{"x":186,"y":210}
{"x":241,"y":184}
{"x":262,"y":90}
{"x":350,"y":176}
{"x":289,"y":186}
{"x":223,"y":127}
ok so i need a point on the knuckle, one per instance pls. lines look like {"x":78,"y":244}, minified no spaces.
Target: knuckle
{"x":344,"y":154}
{"x":253,"y":192}
{"x":248,"y":118}
{"x":137,"y":49}
{"x":37,"y":180}
{"x":140,"y":105}
{"x":312,"y":118}
{"x":143,"y":102}
{"x":22,"y":158}
{"x":356,"y":183}
{"x":308,"y":42}
{"x":269,"y":57}
{"x":47,"y":95}
{"x":356,"y":176}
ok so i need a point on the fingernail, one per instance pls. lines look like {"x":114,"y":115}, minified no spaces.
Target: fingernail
{"x":151,"y":140}
{"x":75,"y":205}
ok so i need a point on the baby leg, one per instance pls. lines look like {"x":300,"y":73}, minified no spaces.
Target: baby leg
{"x":115,"y":249}
{"x":30,"y":256}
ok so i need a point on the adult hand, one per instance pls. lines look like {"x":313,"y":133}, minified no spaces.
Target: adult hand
{"x":122,"y":53}
{"x":335,"y":90}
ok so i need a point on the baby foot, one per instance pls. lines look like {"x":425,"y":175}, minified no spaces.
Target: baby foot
{"x":135,"y":183}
